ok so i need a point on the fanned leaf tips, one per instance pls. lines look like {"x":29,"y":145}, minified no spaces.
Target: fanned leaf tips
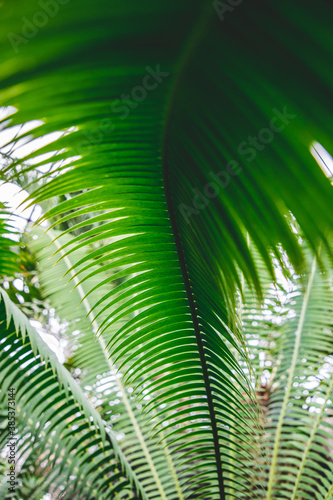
{"x":159,"y":161}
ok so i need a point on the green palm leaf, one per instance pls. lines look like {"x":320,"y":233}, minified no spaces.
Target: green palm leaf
{"x":91,"y":357}
{"x":54,"y":418}
{"x":140,"y":168}
{"x":295,"y":338}
{"x":8,"y":258}
{"x":297,"y":416}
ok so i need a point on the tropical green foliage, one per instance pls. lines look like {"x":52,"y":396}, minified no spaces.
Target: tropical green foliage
{"x":290,"y":342}
{"x":58,"y":430}
{"x":175,"y":176}
{"x":8,"y":258}
{"x":91,"y":359}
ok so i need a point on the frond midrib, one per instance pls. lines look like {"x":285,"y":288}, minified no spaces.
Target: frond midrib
{"x":113,"y":370}
{"x":298,"y":335}
{"x":193,"y":41}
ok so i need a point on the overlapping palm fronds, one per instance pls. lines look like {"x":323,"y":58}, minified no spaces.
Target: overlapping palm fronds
{"x":175,"y":146}
{"x":57,"y":433}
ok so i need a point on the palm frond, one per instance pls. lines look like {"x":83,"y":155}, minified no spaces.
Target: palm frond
{"x":140,"y":167}
{"x":54,"y":417}
{"x":8,"y":258}
{"x":302,"y":396}
{"x":154,"y":465}
{"x":295,"y":338}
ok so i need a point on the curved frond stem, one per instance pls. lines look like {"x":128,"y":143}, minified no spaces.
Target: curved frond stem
{"x":298,"y":335}
{"x":112,"y":368}
{"x":306,"y":452}
{"x":54,"y":394}
{"x":197,"y":34}
{"x":329,"y":493}
{"x":196,"y":327}
{"x":170,"y":463}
